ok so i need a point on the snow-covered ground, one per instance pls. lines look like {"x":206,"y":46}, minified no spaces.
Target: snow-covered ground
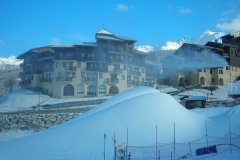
{"x":24,"y":99}
{"x":140,"y":110}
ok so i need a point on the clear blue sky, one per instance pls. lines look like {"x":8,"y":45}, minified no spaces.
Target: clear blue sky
{"x":26,"y":24}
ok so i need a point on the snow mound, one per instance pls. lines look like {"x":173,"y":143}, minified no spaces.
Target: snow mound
{"x":140,"y":109}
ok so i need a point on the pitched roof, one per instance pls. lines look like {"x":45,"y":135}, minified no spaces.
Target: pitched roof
{"x":104,"y":31}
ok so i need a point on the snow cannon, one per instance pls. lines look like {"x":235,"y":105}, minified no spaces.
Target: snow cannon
{"x":119,"y":151}
{"x":234,"y":89}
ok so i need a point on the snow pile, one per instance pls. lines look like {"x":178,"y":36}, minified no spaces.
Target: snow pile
{"x":205,"y":37}
{"x":140,"y":109}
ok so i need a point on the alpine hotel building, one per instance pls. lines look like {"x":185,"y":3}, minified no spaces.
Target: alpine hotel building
{"x":105,"y":67}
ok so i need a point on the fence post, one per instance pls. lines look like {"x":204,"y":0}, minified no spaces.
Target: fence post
{"x":230,"y":136}
{"x":206,"y":133}
{"x":190,"y":148}
{"x":174,"y":141}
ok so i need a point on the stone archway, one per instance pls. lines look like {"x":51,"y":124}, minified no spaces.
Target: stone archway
{"x":202,"y":81}
{"x":91,"y":90}
{"x":113,"y":90}
{"x":181,"y":81}
{"x":68,"y":90}
{"x":221,"y":83}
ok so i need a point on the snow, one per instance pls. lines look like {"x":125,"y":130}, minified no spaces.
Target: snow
{"x":144,"y":48}
{"x":207,"y":36}
{"x":24,"y":99}
{"x":10,"y":63}
{"x":140,"y":110}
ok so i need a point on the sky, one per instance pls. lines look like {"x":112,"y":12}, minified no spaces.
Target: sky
{"x":28,"y":24}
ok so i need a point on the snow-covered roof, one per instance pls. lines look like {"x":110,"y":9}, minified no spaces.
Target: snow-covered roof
{"x":90,"y":44}
{"x":197,"y":98}
{"x":104,"y":31}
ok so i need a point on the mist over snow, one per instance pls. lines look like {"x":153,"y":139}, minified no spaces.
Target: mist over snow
{"x":139,"y":109}
{"x":189,"y":59}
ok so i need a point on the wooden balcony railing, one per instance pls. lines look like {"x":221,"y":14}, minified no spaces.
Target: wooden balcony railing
{"x":135,"y":73}
{"x":46,"y":80}
{"x":112,"y":80}
{"x":63,"y":78}
{"x":70,"y":68}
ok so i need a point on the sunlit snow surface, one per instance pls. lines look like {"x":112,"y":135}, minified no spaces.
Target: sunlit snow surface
{"x":140,"y":110}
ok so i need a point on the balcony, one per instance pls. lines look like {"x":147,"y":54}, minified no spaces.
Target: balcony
{"x":22,"y":65}
{"x":25,"y":82}
{"x":130,"y":82}
{"x":70,"y":68}
{"x":63,"y":78}
{"x":116,"y":71}
{"x":113,"y":50}
{"x":89,"y":79}
{"x":135,"y":73}
{"x":46,"y":80}
{"x":112,"y":80}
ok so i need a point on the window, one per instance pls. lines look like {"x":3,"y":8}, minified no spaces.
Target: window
{"x":100,"y":75}
{"x":79,"y":65}
{"x":82,"y":54}
{"x":220,"y":71}
{"x":100,"y":65}
{"x":124,"y":67}
{"x":94,"y":75}
{"x":210,"y":71}
{"x":142,"y":79}
{"x":227,"y":68}
{"x":212,"y":80}
{"x":189,"y":72}
{"x":82,"y":75}
{"x":142,"y":70}
{"x":102,"y":89}
{"x":42,"y":76}
{"x":235,"y":69}
{"x":204,"y":70}
{"x":47,"y":66}
{"x":104,"y":55}
{"x":122,"y":77}
{"x":60,"y":74}
{"x":66,"y":74}
{"x":64,"y":64}
{"x":57,"y":64}
{"x":73,"y":74}
{"x":31,"y":77}
{"x":80,"y":89}
{"x":232,"y":68}
{"x":152,"y":81}
{"x":128,"y":78}
{"x":70,"y":63}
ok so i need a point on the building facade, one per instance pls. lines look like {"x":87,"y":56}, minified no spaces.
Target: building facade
{"x":219,"y":75}
{"x":105,"y":67}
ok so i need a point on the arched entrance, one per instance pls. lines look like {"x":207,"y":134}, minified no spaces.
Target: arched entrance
{"x":221,"y":82}
{"x":202,"y":80}
{"x":113,"y":90}
{"x":91,"y":90}
{"x":68,"y":90}
{"x":181,"y":81}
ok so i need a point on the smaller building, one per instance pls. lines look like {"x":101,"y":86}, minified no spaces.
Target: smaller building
{"x":195,"y":102}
